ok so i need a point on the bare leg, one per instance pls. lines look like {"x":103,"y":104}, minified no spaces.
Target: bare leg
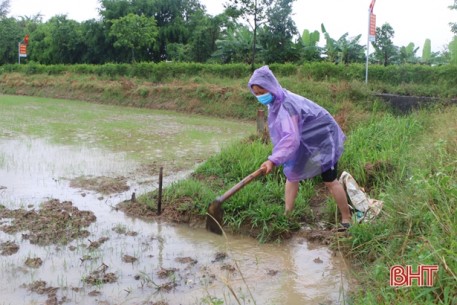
{"x":291,"y":192}
{"x":338,"y":193}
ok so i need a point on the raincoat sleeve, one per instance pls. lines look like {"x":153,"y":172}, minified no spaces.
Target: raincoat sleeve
{"x":287,"y":138}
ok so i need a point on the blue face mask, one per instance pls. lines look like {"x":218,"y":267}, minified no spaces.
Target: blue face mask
{"x":265,"y":99}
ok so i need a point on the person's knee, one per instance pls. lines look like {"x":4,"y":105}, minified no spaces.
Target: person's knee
{"x":292,"y":184}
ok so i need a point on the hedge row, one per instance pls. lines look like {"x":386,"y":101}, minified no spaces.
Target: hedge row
{"x":394,"y":75}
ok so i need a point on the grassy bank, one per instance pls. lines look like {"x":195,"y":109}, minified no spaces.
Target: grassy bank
{"x":419,"y":223}
{"x":206,"y":95}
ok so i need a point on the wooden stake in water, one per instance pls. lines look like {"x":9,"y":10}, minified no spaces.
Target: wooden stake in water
{"x":159,"y":201}
{"x":260,"y":122}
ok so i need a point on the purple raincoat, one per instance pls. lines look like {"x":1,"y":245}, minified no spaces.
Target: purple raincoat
{"x":306,"y":139}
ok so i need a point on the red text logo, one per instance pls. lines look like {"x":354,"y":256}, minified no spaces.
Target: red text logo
{"x":404,"y":276}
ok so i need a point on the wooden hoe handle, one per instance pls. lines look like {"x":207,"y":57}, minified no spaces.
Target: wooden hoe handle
{"x":240,"y":185}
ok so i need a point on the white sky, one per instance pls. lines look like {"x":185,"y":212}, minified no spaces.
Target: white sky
{"x":412,"y":20}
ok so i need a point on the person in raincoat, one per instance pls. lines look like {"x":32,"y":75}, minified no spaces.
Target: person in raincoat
{"x":306,"y":139}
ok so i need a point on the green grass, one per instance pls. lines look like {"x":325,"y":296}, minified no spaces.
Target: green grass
{"x":257,"y":209}
{"x":418,"y":225}
{"x":381,"y":143}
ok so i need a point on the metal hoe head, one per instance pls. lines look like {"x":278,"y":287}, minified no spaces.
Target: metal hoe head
{"x":215,"y":211}
{"x":214,"y":217}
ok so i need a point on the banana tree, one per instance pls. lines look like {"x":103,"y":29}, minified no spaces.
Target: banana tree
{"x":408,"y":54}
{"x":427,"y":52}
{"x":235,"y":46}
{"x":311,"y":50}
{"x":453,"y":51}
{"x":344,"y":50}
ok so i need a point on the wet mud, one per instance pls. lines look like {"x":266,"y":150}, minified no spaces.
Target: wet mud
{"x":65,"y":240}
{"x":180,"y":275}
{"x":54,"y":223}
{"x":102,"y":185}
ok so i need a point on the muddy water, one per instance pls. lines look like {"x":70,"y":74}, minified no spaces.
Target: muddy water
{"x":149,"y":262}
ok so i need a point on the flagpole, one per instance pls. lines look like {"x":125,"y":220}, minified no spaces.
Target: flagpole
{"x":368,"y":46}
{"x":370,"y":12}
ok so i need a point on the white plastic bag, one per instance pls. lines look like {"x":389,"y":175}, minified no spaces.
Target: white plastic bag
{"x":364,"y":208}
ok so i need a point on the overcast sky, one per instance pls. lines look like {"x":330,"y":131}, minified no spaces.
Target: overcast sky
{"x":412,"y":20}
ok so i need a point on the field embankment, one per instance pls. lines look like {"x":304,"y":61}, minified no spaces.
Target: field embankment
{"x":220,"y":90}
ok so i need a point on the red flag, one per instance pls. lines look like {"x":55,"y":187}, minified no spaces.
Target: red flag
{"x":372,"y":5}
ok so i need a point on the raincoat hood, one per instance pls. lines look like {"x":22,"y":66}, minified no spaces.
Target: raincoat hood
{"x":265,"y":78}
{"x":306,"y":139}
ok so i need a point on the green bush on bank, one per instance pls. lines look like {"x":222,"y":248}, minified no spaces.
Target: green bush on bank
{"x":149,"y":71}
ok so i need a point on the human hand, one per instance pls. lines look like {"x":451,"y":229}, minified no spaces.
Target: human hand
{"x":267,"y":166}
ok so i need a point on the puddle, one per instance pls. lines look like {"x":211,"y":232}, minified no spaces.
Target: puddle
{"x":123,"y":260}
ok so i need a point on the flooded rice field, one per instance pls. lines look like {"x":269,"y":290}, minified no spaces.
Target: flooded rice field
{"x":64,"y":241}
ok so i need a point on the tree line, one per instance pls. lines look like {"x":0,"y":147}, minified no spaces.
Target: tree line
{"x":248,"y":31}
